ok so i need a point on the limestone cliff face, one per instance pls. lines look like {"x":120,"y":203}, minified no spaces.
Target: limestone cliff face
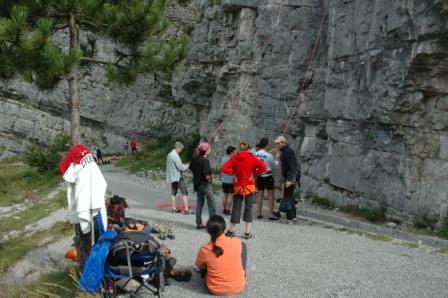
{"x":110,"y":115}
{"x":372,"y":124}
{"x":371,"y":127}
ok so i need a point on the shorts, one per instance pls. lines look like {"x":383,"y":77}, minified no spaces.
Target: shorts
{"x":227,"y":188}
{"x":179,"y":185}
{"x":265,"y":182}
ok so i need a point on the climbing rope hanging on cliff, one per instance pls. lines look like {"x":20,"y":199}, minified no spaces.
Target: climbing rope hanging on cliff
{"x":307,"y":69}
{"x":234,"y":103}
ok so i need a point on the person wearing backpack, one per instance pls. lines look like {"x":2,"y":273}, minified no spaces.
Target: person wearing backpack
{"x":202,"y":183}
{"x":222,"y":260}
{"x":243,"y":166}
{"x":291,"y":176}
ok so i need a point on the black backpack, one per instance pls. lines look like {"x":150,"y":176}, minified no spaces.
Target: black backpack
{"x":135,"y":253}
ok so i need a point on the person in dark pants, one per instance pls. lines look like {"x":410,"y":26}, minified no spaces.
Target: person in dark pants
{"x":290,"y":174}
{"x":223,"y":260}
{"x":99,"y":156}
{"x":202,"y":183}
{"x":243,"y":166}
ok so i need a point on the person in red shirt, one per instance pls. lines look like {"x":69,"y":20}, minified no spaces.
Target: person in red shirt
{"x":222,"y":260}
{"x":133,"y":145}
{"x":243,"y":166}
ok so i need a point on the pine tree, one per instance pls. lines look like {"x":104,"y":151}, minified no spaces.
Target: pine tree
{"x":28,"y":50}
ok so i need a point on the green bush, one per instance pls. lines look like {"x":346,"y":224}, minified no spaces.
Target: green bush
{"x":371,"y":214}
{"x":322,"y":202}
{"x":46,"y":159}
{"x":425,"y":219}
{"x":154,"y":151}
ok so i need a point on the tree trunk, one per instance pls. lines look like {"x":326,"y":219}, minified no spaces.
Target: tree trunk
{"x":82,"y":241}
{"x":73,"y":94}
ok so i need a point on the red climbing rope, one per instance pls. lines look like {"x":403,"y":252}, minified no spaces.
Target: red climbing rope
{"x":307,"y":69}
{"x":233,"y":104}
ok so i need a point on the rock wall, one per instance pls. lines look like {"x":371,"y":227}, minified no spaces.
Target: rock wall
{"x":110,"y":115}
{"x":371,"y":127}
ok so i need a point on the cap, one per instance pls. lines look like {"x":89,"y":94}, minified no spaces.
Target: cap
{"x":280,"y":139}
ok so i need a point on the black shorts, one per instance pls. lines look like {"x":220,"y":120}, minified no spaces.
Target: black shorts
{"x":265,"y":183}
{"x":227,"y":188}
{"x":179,"y":185}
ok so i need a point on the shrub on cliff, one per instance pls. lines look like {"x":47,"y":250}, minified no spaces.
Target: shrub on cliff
{"x":46,"y":159}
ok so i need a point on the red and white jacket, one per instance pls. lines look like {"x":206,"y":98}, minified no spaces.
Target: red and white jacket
{"x":86,"y":187}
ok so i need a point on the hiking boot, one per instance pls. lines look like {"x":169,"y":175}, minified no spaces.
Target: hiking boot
{"x":260,"y":216}
{"x":247,"y":236}
{"x":188,"y":212}
{"x":274,"y":218}
{"x":230,"y":234}
{"x":175,"y":211}
{"x":200,"y":226}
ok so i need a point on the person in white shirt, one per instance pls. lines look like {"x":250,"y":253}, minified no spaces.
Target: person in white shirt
{"x":174,"y":169}
{"x":265,"y":181}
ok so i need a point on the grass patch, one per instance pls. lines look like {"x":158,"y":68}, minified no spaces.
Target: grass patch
{"x":61,"y":283}
{"x":377,"y":237}
{"x":153,"y":154}
{"x":216,"y":187}
{"x":13,"y":250}
{"x":360,"y":233}
{"x":373,"y":215}
{"x":19,"y":181}
{"x":406,"y":244}
{"x":425,"y":220}
{"x":33,"y":214}
{"x":443,"y":250}
{"x":322,"y":202}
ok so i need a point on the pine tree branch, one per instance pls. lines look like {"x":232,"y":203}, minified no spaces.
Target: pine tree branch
{"x":65,"y":26}
{"x":92,"y":60}
{"x":88,"y":23}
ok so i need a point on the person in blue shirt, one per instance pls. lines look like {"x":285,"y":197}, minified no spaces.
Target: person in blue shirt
{"x":227,"y":183}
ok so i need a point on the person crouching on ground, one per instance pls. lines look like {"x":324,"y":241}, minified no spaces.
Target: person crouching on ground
{"x":174,"y":169}
{"x":243,"y":166}
{"x":227,"y":183}
{"x":202,"y":183}
{"x":222,"y":260}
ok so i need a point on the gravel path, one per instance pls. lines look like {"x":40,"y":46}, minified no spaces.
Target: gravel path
{"x":303,"y":260}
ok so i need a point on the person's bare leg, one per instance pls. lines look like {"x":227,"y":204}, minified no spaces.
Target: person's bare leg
{"x":173,"y":202}
{"x":271,"y":202}
{"x":224,"y":201}
{"x":232,"y":227}
{"x":260,"y":195}
{"x":229,"y":201}
{"x":248,"y":227}
{"x":185,"y":198}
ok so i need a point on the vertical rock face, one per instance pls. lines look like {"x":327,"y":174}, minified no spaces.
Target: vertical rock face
{"x":371,"y":126}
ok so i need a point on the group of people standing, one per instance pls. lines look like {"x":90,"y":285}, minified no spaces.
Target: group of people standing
{"x":245,"y":174}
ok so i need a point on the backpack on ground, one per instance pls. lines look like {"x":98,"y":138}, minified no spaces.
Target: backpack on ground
{"x":135,"y":253}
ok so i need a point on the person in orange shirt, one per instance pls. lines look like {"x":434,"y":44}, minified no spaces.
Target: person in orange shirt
{"x":223,"y":260}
